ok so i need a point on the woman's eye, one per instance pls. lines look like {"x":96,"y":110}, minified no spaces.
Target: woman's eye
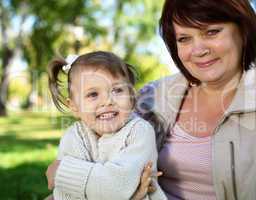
{"x":92,"y":95}
{"x":183,"y":39}
{"x":212,"y":32}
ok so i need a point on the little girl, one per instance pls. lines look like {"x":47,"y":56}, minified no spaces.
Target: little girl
{"x":113,"y":143}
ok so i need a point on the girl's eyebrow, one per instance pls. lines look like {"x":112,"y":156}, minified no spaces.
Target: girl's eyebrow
{"x":119,"y":83}
{"x":90,"y":89}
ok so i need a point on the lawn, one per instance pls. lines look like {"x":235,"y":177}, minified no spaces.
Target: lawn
{"x":28,"y":143}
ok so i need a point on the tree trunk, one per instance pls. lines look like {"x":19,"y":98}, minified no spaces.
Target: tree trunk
{"x":7,"y":54}
{"x":4,"y":82}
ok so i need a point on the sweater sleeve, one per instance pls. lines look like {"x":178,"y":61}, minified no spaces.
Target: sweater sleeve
{"x":118,"y":178}
{"x":69,"y":179}
{"x":72,"y":144}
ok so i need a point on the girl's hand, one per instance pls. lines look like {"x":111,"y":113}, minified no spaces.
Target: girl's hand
{"x":146,"y":184}
{"x":50,"y":173}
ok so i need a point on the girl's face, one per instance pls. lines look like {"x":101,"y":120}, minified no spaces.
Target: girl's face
{"x":102,"y":101}
{"x":211,"y":54}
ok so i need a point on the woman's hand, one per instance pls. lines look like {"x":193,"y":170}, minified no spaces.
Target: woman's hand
{"x":50,"y":197}
{"x":146,"y":184}
{"x":50,"y":173}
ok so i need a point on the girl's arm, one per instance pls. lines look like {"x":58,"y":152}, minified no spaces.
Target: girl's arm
{"x":71,"y":144}
{"x":117,"y":178}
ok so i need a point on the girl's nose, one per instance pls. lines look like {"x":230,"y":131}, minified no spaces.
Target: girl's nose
{"x":107,"y":99}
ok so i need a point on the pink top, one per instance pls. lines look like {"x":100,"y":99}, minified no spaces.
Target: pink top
{"x":186,"y":162}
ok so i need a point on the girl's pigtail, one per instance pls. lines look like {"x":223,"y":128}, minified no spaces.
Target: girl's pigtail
{"x":132,"y":73}
{"x":55,"y":84}
{"x":145,"y":109}
{"x":157,"y":121}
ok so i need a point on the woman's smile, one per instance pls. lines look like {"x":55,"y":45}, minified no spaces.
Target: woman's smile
{"x":211,"y":58}
{"x":206,"y":64}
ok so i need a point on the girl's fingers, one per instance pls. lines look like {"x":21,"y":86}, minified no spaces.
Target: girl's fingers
{"x":146,"y":175}
{"x":151,"y":189}
{"x":159,"y":173}
{"x":146,"y":182}
{"x":156,"y":174}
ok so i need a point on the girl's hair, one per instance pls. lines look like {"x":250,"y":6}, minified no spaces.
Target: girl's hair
{"x":98,"y":59}
{"x":199,"y":13}
{"x":145,"y":108}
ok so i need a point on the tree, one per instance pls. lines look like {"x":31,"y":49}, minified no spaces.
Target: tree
{"x":7,"y":53}
{"x":49,"y":21}
{"x":125,"y":27}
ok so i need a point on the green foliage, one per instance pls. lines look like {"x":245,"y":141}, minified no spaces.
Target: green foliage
{"x":124,"y":27}
{"x":19,"y":86}
{"x":151,"y":69}
{"x":28,"y":143}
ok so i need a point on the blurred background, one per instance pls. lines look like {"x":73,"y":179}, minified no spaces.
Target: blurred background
{"x":32,"y":33}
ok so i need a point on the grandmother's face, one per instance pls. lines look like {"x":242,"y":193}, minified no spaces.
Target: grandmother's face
{"x":212,"y":53}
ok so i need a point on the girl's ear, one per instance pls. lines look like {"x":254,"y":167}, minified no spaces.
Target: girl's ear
{"x":72,"y":106}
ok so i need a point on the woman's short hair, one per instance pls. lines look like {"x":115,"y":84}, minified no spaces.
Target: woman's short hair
{"x":197,"y":13}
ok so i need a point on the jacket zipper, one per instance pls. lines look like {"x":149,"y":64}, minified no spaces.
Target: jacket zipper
{"x":233,"y":172}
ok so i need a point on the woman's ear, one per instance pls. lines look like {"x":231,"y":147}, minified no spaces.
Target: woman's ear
{"x":72,"y":106}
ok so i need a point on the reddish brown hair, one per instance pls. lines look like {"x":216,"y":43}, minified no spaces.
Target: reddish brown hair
{"x":198,"y":13}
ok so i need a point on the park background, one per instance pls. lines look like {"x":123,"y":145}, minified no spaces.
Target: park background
{"x":32,"y":32}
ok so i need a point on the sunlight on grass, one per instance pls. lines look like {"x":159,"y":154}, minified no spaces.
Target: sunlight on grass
{"x":10,"y":160}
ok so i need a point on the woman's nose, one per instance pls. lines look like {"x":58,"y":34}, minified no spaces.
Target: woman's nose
{"x":199,"y":48}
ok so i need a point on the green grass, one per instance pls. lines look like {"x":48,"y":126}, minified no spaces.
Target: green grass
{"x":28,"y":143}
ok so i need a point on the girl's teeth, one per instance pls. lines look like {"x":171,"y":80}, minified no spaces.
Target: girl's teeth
{"x":107,"y":115}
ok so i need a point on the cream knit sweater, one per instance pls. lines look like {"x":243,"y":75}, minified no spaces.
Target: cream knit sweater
{"x":105,"y":168}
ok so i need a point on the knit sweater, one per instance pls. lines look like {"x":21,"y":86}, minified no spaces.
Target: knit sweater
{"x":105,"y":168}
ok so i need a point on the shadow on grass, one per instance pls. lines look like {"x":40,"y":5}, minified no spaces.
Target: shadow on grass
{"x":24,"y":182}
{"x":10,"y":143}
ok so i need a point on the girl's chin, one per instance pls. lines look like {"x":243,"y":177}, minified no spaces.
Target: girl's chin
{"x":108,"y":130}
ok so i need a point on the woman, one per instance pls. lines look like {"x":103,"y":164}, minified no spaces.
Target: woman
{"x":208,"y":151}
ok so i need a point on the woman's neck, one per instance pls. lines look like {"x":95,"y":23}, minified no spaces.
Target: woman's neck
{"x":221,"y":87}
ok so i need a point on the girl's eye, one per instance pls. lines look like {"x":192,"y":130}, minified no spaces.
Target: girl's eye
{"x":212,"y":32}
{"x":118,"y":90}
{"x":183,"y":39}
{"x":92,"y":95}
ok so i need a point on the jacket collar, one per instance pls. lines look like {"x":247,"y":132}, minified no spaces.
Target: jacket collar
{"x":172,"y":90}
{"x":175,"y":88}
{"x":245,"y":97}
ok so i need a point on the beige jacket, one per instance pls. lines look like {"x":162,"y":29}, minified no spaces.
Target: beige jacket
{"x":234,"y":142}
